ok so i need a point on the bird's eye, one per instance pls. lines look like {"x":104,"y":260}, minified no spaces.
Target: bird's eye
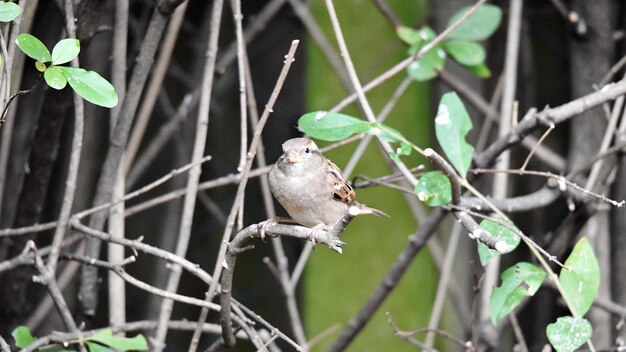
{"x":307,"y":150}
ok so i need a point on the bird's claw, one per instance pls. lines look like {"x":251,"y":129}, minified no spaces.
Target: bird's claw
{"x":265,"y":225}
{"x":315,"y":231}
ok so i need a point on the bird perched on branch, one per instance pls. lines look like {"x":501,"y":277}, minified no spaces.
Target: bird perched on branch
{"x":312,"y":188}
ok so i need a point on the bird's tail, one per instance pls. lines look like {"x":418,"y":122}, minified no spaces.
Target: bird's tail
{"x":373,"y":211}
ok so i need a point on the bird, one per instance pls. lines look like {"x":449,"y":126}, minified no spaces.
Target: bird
{"x":311,"y":188}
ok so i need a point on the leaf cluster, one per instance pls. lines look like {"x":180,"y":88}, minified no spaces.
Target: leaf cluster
{"x":88,"y":84}
{"x":462,"y":44}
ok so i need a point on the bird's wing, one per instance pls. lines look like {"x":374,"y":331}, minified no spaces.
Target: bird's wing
{"x":342,"y":191}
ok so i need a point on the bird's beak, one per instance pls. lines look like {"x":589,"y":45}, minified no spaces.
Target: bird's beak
{"x":293,"y":157}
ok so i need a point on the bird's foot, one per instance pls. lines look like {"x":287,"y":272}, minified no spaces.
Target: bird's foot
{"x":315,"y":232}
{"x":265,"y":225}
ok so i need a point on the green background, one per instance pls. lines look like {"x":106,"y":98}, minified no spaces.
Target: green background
{"x":336,"y":286}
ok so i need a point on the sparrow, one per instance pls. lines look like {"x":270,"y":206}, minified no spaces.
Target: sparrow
{"x":312,"y":188}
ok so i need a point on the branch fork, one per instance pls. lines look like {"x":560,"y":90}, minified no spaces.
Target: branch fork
{"x":271,"y":228}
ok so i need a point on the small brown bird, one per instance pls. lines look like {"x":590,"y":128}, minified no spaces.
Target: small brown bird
{"x":310,"y":187}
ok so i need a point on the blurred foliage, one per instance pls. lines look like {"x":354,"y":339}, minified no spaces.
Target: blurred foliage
{"x":336,"y":286}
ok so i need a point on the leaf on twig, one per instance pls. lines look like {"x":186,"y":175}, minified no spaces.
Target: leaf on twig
{"x":519,"y":281}
{"x":65,"y":51}
{"x":331,"y":126}
{"x":33,"y":47}
{"x":91,"y":86}
{"x":468,"y":53}
{"x":501,"y":233}
{"x":479,"y":25}
{"x":568,"y":333}
{"x":106,"y":337}
{"x":23,"y":336}
{"x":434,"y":189}
{"x":451,"y":126}
{"x":54,"y":77}
{"x":9,"y":11}
{"x":581,"y":283}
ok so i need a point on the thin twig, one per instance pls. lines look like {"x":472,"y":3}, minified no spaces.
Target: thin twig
{"x":399,"y":67}
{"x":77,"y":144}
{"x":534,"y":149}
{"x":243,"y":101}
{"x":287,"y":283}
{"x":192,"y":268}
{"x":572,"y":17}
{"x":385,"y":111}
{"x":562,"y":181}
{"x":302,"y":10}
{"x":50,"y":225}
{"x":555,"y":115}
{"x":155,"y":146}
{"x":119,"y":271}
{"x":240,"y":243}
{"x":518,"y":332}
{"x":16,"y":70}
{"x":191,"y":189}
{"x":415,"y":243}
{"x":517,"y":231}
{"x":47,"y":278}
{"x":408,"y":337}
{"x":442,"y":285}
{"x":145,"y":59}
{"x":609,"y":134}
{"x":474,"y":231}
{"x":27,"y":257}
{"x":252,"y":30}
{"x":289,"y":58}
{"x":365,"y":105}
{"x":546,"y":155}
{"x":116,"y":287}
{"x":155,"y":85}
{"x":388,"y":13}
{"x":508,"y":114}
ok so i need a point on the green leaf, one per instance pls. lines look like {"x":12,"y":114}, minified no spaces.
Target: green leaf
{"x":91,"y":86}
{"x":106,"y":337}
{"x":426,"y":67}
{"x":434,"y":189}
{"x":479,"y":25}
{"x":521,"y":280}
{"x":9,"y":11}
{"x":403,"y":150}
{"x":331,"y":126}
{"x":33,"y":47}
{"x":568,"y":333}
{"x":480,"y":71}
{"x":65,"y":51}
{"x":96,"y":347}
{"x":464,"y":52}
{"x":22,"y":336}
{"x":390,"y":134}
{"x":409,"y":35}
{"x":54,"y":77}
{"x":582,"y":282}
{"x":501,"y":233}
{"x":426,"y":34}
{"x":451,"y":126}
